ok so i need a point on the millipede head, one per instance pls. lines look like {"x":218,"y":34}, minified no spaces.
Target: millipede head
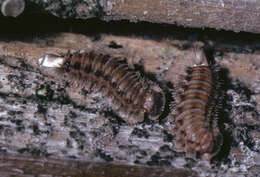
{"x":155,"y":103}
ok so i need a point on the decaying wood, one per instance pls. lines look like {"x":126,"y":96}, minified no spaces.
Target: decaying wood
{"x":27,"y":166}
{"x":235,"y":15}
{"x":47,"y":124}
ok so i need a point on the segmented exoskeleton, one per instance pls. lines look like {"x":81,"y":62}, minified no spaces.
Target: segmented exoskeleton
{"x":134,"y":97}
{"x":197,"y":112}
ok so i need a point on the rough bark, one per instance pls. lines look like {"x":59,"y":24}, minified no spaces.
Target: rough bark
{"x":235,"y":15}
{"x":239,"y":15}
{"x":25,"y":166}
{"x":43,"y":117}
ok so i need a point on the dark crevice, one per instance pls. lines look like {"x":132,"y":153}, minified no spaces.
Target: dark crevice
{"x":35,"y":22}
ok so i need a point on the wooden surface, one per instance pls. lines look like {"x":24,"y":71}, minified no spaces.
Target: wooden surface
{"x":47,"y":124}
{"x":234,"y":15}
{"x":25,"y":166}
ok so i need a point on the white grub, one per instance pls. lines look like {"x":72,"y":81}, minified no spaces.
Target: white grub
{"x":51,"y":60}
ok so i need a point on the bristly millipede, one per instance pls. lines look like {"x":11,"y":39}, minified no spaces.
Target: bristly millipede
{"x":133,"y":96}
{"x":197,"y":112}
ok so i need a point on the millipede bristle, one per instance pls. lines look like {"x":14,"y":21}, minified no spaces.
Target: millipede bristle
{"x":133,"y":96}
{"x":196,"y":113}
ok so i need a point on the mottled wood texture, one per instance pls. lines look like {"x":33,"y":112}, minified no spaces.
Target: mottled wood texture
{"x":235,"y":15}
{"x":41,"y":116}
{"x":27,"y":166}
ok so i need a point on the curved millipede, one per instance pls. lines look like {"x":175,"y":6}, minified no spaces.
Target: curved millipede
{"x":197,"y":114}
{"x":133,"y":96}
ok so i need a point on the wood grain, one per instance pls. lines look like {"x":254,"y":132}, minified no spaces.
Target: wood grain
{"x":238,"y":15}
{"x":24,"y":166}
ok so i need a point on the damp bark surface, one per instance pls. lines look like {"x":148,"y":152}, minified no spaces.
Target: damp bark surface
{"x":47,"y":122}
{"x":234,"y":15}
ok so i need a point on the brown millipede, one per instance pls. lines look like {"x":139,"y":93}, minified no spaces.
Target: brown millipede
{"x":134,"y":96}
{"x":197,"y":132}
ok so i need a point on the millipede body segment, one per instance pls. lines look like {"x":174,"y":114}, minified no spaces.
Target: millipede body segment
{"x":197,"y":114}
{"x":133,"y":96}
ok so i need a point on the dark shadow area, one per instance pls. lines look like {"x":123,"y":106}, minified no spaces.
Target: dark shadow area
{"x":233,"y":132}
{"x":226,"y":111}
{"x":35,"y":22}
{"x":223,"y":117}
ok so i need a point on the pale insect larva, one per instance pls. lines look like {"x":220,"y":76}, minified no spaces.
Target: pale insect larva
{"x":196,"y":113}
{"x":134,"y":97}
